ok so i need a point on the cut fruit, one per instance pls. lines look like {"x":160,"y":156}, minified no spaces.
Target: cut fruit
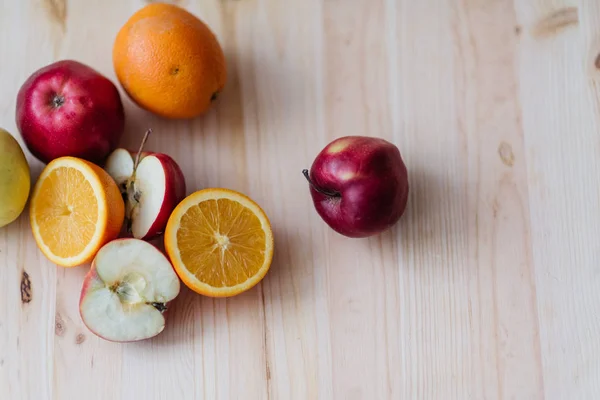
{"x":152,"y":184}
{"x":220,"y":242}
{"x":76,"y":208}
{"x":125,"y":294}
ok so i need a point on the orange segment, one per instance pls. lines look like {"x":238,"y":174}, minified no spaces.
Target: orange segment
{"x":75,"y":209}
{"x":220,"y":242}
{"x":55,"y":204}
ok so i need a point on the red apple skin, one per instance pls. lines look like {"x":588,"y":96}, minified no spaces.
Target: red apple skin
{"x":176,"y":190}
{"x":89,"y":122}
{"x":370,"y":183}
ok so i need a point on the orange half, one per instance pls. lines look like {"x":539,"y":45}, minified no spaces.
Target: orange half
{"x":220,"y":242}
{"x":76,"y":208}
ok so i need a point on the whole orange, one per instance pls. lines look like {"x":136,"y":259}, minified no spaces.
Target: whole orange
{"x":169,"y":61}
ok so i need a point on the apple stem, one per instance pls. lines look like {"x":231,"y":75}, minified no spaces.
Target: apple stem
{"x":318,"y":189}
{"x":139,"y":153}
{"x":131,"y":193}
{"x":57,"y":100}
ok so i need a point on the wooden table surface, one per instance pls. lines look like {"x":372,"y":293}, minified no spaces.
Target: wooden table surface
{"x":488,"y":288}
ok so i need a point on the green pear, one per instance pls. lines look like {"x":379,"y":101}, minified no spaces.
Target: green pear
{"x":15,"y":180}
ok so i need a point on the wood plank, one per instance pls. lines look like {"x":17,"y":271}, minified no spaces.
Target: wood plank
{"x":281,"y":69}
{"x":26,"y":321}
{"x":561,"y":125}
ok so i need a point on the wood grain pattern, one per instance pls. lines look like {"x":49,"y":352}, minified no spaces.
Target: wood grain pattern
{"x":488,"y":288}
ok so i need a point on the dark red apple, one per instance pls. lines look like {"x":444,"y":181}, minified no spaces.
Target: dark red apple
{"x":359,"y":185}
{"x":69,"y":109}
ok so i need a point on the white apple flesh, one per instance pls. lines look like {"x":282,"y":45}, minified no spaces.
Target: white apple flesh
{"x":125,"y":294}
{"x":151,"y":190}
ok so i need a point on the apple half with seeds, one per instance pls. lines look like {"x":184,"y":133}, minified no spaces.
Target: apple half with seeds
{"x":152,"y":185}
{"x":126,"y":292}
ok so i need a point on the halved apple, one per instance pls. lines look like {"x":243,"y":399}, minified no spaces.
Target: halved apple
{"x":152,"y":185}
{"x":125,"y":293}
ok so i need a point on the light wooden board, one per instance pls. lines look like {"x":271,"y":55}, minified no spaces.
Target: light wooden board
{"x":488,"y":288}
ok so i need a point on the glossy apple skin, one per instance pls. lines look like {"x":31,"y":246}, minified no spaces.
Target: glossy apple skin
{"x":175,"y":193}
{"x":370,"y":180}
{"x":88,"y":124}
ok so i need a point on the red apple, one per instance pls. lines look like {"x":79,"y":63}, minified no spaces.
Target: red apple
{"x":152,"y":185}
{"x":69,"y":109}
{"x":126,"y":292}
{"x":359,"y":185}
